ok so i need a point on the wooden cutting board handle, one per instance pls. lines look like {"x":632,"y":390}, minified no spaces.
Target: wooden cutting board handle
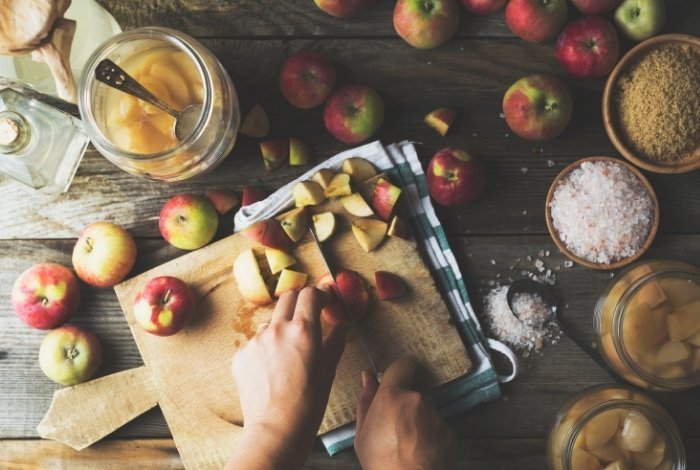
{"x":85,"y":413}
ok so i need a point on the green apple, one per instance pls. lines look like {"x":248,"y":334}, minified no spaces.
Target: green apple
{"x":188,"y":221}
{"x":70,"y":355}
{"x":641,"y":19}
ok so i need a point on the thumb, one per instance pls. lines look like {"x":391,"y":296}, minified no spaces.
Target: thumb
{"x":369,"y":390}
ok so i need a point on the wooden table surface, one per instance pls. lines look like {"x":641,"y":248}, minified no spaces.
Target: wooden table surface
{"x":252,"y":38}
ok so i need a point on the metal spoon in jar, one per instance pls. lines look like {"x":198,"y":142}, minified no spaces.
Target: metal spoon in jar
{"x":111,"y":74}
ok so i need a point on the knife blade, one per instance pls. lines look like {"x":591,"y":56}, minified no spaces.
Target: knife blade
{"x":346,"y":309}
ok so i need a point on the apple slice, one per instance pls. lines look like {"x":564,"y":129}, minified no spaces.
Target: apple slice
{"x":695,"y":339}
{"x":389,"y":285}
{"x":250,"y":282}
{"x":290,"y":280}
{"x":339,"y":186}
{"x":350,"y":286}
{"x":384,"y":199}
{"x":323,"y":177}
{"x":278,"y":259}
{"x":274,"y":153}
{"x":671,"y":352}
{"x":222,"y":200}
{"x":251,"y":195}
{"x":359,"y":169}
{"x":440,"y":119}
{"x":307,"y":193}
{"x":398,"y":228}
{"x":324,"y":225}
{"x":299,"y":152}
{"x":256,"y":123}
{"x":295,"y":223}
{"x":684,"y":321}
{"x":369,"y":233}
{"x":356,"y":205}
{"x":269,"y":233}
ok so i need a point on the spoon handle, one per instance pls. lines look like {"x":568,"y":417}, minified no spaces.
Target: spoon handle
{"x":111,"y":74}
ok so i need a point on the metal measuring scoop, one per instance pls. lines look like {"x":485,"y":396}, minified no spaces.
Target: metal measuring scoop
{"x":111,"y":74}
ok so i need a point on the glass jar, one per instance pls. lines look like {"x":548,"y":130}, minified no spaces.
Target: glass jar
{"x":647,"y":324}
{"x":140,"y":138}
{"x":611,"y":426}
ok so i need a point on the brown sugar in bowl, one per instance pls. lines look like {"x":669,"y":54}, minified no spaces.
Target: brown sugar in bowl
{"x":589,"y":264}
{"x":684,"y":165}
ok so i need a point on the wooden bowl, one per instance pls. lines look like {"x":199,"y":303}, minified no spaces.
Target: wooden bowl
{"x":689,"y":163}
{"x":624,"y":261}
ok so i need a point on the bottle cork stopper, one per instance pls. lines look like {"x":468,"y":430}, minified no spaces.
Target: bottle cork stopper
{"x":9,"y":131}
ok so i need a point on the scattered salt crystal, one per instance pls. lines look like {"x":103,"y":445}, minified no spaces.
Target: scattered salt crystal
{"x":524,"y":212}
{"x":539,"y":263}
{"x":612,"y":275}
{"x":568,"y":263}
{"x":511,"y":267}
{"x":507,"y":135}
{"x":523,"y":170}
{"x":546,"y":253}
{"x":529,"y":258}
{"x":493,"y":261}
{"x":474,"y":134}
{"x":430,"y":62}
{"x":550,"y":163}
{"x":501,"y":115}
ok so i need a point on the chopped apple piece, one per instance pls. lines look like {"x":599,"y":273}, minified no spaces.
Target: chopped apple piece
{"x":251,"y":195}
{"x":324,"y":225}
{"x":582,"y":460}
{"x":369,"y":232}
{"x":256,"y":123}
{"x":250,"y":282}
{"x":295,"y":223}
{"x":653,"y":457}
{"x":671,"y":371}
{"x":384,"y":199}
{"x":609,"y":453}
{"x":398,"y":228}
{"x":638,"y":434}
{"x":441,"y":119}
{"x":652,"y":294}
{"x":601,"y":429}
{"x":323,"y":177}
{"x":307,"y":193}
{"x":299,"y":152}
{"x":222,"y":200}
{"x":339,"y":186}
{"x":275,"y":153}
{"x":684,"y":321}
{"x":359,"y":169}
{"x":672,"y":351}
{"x":290,"y":280}
{"x":356,"y":205}
{"x":268,"y":233}
{"x":695,"y":339}
{"x":389,"y":285}
{"x":643,"y":326}
{"x":680,"y":291}
{"x":278,"y":259}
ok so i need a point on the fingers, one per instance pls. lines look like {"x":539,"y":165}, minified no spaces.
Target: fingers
{"x":399,"y":374}
{"x":333,"y":346}
{"x":284,"y":310}
{"x":369,"y":390}
{"x":309,"y":304}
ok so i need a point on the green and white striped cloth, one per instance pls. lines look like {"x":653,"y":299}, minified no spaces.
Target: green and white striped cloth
{"x":401,"y":162}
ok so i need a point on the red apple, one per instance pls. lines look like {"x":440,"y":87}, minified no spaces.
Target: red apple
{"x":595,"y":6}
{"x":164,"y":305}
{"x":307,"y":79}
{"x":104,"y":254}
{"x":269,"y":233}
{"x":384,"y":198}
{"x":70,"y":355}
{"x":343,"y":8}
{"x":389,"y":285}
{"x":275,"y":153}
{"x":45,"y":296}
{"x":536,"y":20}
{"x":222,"y":200}
{"x":251,"y":195}
{"x":426,"y":24}
{"x":351,"y":287}
{"x":538,"y":107}
{"x":588,"y":47}
{"x":188,"y":221}
{"x":455,"y":177}
{"x":484,"y":7}
{"x":353,"y":113}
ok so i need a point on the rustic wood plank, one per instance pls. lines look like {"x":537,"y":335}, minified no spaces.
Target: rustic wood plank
{"x":301,"y":18}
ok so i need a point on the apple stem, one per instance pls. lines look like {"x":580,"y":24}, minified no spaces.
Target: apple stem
{"x":89,"y":243}
{"x":635,"y":12}
{"x":71,"y":353}
{"x":550,"y":107}
{"x":44,"y":301}
{"x":428,"y":5}
{"x":166,"y":297}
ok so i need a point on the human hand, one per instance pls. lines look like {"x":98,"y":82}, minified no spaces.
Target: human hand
{"x":396,"y":428}
{"x":284,"y":376}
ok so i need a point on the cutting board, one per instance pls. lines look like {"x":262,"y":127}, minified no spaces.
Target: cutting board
{"x":189,"y":373}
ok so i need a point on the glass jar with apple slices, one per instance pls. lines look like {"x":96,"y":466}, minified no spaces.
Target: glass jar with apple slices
{"x":647,"y":324}
{"x":614,"y":428}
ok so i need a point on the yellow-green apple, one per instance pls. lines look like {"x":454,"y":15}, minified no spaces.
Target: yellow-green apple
{"x":45,"y":296}
{"x":299,"y":152}
{"x":269,"y":233}
{"x":538,"y":107}
{"x":278,"y":260}
{"x":426,"y":24}
{"x":484,"y":7}
{"x":323,"y":177}
{"x":295,"y":223}
{"x":246,"y":273}
{"x":164,"y":305}
{"x":324,"y":225}
{"x":188,"y":221}
{"x":343,"y":8}
{"x":389,"y":285}
{"x":455,"y":177}
{"x":223,"y":200}
{"x":104,"y":254}
{"x":440,"y":119}
{"x":256,"y":123}
{"x":398,"y":228}
{"x":353,"y":113}
{"x":339,"y":186}
{"x":359,"y":169}
{"x":290,"y":280}
{"x":536,"y":20}
{"x":275,"y":153}
{"x":588,"y":47}
{"x":70,"y":355}
{"x":595,"y":6}
{"x":384,"y":198}
{"x":351,"y":288}
{"x":356,"y":205}
{"x":369,"y":233}
{"x":307,"y":79}
{"x":641,"y":19}
{"x":307,"y":193}
{"x":251,"y":195}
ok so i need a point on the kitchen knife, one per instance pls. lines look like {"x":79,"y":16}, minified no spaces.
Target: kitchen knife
{"x":348,"y":312}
